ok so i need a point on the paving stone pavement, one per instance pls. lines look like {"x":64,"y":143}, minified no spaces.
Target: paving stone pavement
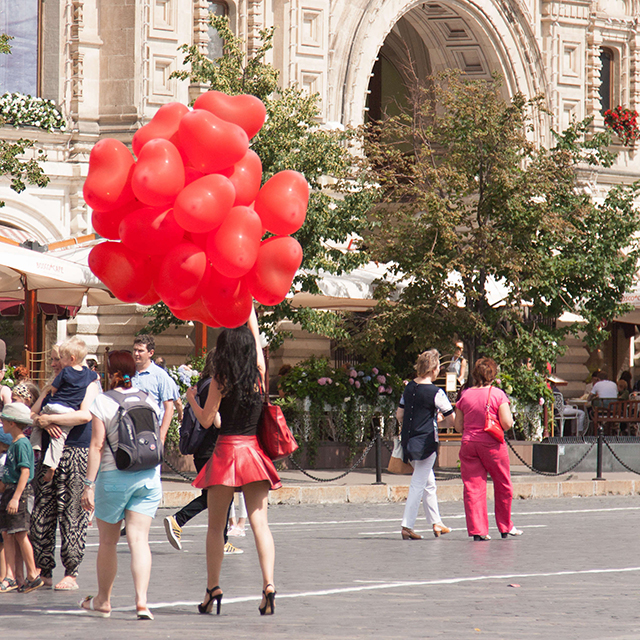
{"x":342,"y":571}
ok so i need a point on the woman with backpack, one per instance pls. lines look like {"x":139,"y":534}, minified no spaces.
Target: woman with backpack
{"x":116,"y":494}
{"x":237,"y":461}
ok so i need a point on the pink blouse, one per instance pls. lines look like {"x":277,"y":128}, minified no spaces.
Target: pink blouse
{"x":472,"y":403}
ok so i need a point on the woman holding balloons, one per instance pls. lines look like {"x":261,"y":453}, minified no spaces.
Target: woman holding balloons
{"x":237,"y":462}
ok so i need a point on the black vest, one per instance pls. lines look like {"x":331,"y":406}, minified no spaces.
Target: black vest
{"x":419,"y":426}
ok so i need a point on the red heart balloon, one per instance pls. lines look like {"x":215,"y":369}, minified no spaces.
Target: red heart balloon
{"x":128,"y":275}
{"x":151,"y":297}
{"x":163,"y":125}
{"x":159,"y":174}
{"x":211,"y":144}
{"x":246,"y":177}
{"x":233,"y":248}
{"x":150,"y":231}
{"x":180,"y":275}
{"x":107,"y":223}
{"x":229,"y":309}
{"x":196,"y":312}
{"x":246,"y":111}
{"x":108,"y":184}
{"x":270,"y":279}
{"x":199,"y":239}
{"x":282,"y":202}
{"x":204,"y":204}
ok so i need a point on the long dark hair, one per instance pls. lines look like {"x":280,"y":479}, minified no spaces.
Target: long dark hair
{"x":122,"y":367}
{"x":235,"y":365}
{"x":207,"y":371}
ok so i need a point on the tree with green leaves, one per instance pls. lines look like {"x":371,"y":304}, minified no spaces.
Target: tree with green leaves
{"x":469,"y":203}
{"x":291,"y":138}
{"x":22,"y":172}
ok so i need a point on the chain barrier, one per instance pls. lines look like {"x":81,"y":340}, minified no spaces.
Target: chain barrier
{"x":615,"y":455}
{"x":355,"y":464}
{"x":550,"y":473}
{"x":180,"y":473}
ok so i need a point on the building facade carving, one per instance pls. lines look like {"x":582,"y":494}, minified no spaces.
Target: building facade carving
{"x":108,"y":64}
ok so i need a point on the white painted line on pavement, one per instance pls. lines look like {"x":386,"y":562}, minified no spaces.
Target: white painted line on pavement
{"x":368,"y":587}
{"x":390,"y":533}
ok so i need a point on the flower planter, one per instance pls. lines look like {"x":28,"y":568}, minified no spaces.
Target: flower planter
{"x":336,"y":455}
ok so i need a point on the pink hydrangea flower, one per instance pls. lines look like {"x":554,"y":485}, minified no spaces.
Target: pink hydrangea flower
{"x":322,"y":381}
{"x":381,"y":379}
{"x":351,"y":381}
{"x":329,"y":381}
{"x":389,"y":390}
{"x":357,"y":383}
{"x":375,"y":371}
{"x":353,"y":373}
{"x":381,"y":389}
{"x":541,"y":401}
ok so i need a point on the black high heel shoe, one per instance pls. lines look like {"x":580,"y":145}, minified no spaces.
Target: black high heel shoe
{"x":207,"y":606}
{"x":269,"y":602}
{"x":477,"y":538}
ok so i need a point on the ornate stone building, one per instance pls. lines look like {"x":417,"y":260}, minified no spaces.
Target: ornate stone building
{"x":108,"y":63}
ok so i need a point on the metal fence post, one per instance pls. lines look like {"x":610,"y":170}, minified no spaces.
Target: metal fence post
{"x":377,"y":423}
{"x":599,"y":453}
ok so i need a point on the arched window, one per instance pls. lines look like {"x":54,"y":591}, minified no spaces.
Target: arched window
{"x":607,"y":78}
{"x":215,"y":45}
{"x":19,"y":70}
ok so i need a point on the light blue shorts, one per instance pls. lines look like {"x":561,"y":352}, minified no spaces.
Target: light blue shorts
{"x":120,"y":491}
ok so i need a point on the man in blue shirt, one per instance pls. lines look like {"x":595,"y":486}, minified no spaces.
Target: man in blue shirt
{"x":154,"y":380}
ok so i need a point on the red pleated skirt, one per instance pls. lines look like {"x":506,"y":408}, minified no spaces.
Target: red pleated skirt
{"x":236,"y":461}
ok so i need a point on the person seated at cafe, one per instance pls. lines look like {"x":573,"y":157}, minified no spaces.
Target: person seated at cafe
{"x":623,"y":390}
{"x":603,"y":389}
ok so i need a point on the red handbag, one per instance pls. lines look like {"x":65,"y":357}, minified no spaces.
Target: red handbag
{"x":274,"y":435}
{"x":492,"y":425}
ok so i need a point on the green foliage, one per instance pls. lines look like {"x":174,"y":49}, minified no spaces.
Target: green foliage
{"x":22,"y":110}
{"x":328,"y":403}
{"x":291,"y":139}
{"x":5,"y":47}
{"x":466,"y":200}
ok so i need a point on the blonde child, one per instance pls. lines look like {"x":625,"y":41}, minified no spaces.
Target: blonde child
{"x":14,"y":505}
{"x":66,"y":394}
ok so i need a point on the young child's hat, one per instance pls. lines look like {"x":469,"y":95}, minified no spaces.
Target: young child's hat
{"x":16,"y":412}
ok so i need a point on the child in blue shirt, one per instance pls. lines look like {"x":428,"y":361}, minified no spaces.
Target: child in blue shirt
{"x":15,"y":516}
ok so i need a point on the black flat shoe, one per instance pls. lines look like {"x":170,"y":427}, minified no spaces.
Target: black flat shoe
{"x":269,"y":607}
{"x":207,"y":607}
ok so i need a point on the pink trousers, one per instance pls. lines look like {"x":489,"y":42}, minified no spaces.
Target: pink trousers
{"x":476,"y":460}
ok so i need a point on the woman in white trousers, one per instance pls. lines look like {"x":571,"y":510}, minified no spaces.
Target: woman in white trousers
{"x":418,"y":413}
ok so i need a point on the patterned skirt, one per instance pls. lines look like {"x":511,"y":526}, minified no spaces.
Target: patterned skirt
{"x":236,"y":461}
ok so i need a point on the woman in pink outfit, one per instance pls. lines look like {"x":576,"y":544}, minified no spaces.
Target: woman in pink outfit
{"x":481,"y":453}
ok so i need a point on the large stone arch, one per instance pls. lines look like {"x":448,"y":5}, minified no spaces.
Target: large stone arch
{"x":478,"y":36}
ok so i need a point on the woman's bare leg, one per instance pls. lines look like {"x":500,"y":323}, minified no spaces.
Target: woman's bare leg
{"x":107,"y":563}
{"x":256,"y":496}
{"x":137,"y":526}
{"x":218,"y":499}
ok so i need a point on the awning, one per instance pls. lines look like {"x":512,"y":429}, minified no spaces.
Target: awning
{"x":58,"y":281}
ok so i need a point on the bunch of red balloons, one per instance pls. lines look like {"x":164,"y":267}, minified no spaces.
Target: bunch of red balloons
{"x":185,"y":221}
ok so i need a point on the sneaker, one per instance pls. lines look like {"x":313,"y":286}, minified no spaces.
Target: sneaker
{"x":230,"y":550}
{"x":31,"y":585}
{"x":174,"y":532}
{"x":236,"y":532}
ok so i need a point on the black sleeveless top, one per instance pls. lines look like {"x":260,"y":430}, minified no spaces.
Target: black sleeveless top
{"x":419,"y":426}
{"x":240,"y":419}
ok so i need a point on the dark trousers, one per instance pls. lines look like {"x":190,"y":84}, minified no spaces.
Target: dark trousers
{"x":199,"y":504}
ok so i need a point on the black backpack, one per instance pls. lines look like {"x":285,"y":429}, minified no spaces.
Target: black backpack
{"x":192,"y":433}
{"x":139,"y":446}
